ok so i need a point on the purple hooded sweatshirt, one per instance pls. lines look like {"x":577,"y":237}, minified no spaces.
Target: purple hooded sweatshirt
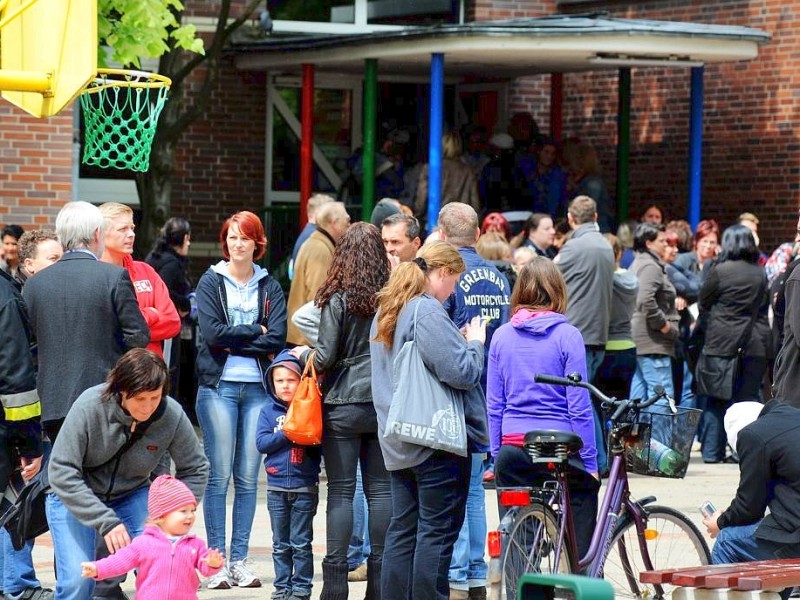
{"x":531,"y":343}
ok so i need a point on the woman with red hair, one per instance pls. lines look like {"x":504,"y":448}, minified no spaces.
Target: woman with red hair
{"x":242,"y":318}
{"x":706,"y":247}
{"x":496,"y":222}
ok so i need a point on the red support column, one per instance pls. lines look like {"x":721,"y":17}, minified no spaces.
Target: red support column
{"x":557,"y":106}
{"x":306,"y":141}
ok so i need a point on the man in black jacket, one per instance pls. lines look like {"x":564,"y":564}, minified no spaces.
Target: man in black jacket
{"x":20,"y":430}
{"x":83,"y":313}
{"x":770,"y":478}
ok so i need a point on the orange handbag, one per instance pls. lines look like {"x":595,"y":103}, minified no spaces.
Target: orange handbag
{"x":303,"y":422}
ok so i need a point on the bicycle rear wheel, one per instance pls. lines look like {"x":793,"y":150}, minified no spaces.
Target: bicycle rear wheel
{"x":531,"y":548}
{"x":672,"y":541}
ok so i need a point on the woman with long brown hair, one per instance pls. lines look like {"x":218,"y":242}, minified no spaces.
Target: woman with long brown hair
{"x":539,"y":339}
{"x":348,"y":301}
{"x":429,"y":487}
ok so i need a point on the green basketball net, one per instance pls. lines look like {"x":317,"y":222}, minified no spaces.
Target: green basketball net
{"x":120,"y":113}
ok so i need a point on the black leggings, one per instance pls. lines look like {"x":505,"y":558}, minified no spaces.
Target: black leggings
{"x":351,"y":437}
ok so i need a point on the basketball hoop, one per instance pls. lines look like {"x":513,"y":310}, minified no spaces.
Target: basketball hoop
{"x":120,"y":113}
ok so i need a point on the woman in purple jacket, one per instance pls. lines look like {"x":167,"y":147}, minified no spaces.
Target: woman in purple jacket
{"x":538,"y":339}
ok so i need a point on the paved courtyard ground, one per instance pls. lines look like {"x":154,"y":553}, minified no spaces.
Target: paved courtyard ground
{"x":716,"y":483}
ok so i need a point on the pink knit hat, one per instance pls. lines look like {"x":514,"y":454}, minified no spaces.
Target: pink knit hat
{"x":168,"y":494}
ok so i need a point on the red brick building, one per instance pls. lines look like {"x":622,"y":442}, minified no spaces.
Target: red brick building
{"x":240,"y":155}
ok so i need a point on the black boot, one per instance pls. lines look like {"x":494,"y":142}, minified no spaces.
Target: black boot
{"x":334,"y":581}
{"x":373,"y":579}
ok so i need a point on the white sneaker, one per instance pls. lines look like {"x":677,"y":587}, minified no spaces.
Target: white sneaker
{"x":220,"y":581}
{"x":242,"y":576}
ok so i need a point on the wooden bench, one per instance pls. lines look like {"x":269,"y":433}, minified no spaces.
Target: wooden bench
{"x":762,"y":580}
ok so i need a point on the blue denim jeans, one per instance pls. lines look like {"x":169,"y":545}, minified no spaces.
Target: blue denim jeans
{"x":74,"y":542}
{"x":16,"y":567}
{"x":428,"y":505}
{"x":652,"y":370}
{"x":740,"y":544}
{"x":468,"y":569}
{"x":594,"y":359}
{"x":358,"y":551}
{"x":291,"y":516}
{"x":228,"y":416}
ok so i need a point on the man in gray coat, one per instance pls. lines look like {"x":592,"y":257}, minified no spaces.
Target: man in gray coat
{"x":587,"y":263}
{"x":83,"y":313}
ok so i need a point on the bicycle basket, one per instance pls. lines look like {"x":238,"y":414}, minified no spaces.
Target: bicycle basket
{"x":660,"y":442}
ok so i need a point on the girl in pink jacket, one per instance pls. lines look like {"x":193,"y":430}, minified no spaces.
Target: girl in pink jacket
{"x":167,"y":555}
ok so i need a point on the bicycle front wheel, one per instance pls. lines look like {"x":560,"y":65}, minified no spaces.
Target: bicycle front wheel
{"x":532,"y":547}
{"x":671,"y":540}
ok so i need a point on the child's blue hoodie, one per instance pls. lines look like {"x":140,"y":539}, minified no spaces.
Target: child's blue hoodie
{"x":289,"y":466}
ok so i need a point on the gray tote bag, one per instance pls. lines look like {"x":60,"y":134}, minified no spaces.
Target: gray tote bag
{"x":424,"y":411}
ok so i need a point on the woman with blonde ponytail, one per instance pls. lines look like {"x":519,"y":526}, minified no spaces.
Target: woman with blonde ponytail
{"x":429,"y":487}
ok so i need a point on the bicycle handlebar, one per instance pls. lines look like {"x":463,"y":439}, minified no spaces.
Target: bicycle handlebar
{"x":574,"y":380}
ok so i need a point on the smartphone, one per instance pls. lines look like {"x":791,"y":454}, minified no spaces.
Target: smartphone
{"x":707,"y":509}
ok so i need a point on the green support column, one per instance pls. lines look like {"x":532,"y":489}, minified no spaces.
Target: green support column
{"x":370,"y":142}
{"x":623,"y":145}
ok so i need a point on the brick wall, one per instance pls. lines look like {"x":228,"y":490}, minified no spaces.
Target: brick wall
{"x":752,"y":121}
{"x":220,"y":159}
{"x":488,"y":10}
{"x":35,"y":166}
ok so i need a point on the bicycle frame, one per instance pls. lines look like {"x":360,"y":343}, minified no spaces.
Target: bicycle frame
{"x":616,"y":503}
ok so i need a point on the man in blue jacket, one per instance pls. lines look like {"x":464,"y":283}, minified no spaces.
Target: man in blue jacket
{"x":481,"y":291}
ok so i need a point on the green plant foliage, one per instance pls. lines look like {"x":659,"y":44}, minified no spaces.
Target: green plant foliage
{"x":136,"y":29}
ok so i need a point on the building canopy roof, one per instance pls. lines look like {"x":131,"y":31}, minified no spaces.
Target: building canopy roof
{"x":511,"y":48}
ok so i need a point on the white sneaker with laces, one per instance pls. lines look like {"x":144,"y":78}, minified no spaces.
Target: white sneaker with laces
{"x":242,"y":576}
{"x":220,"y":581}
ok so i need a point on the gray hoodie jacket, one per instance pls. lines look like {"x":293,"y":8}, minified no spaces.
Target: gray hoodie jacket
{"x":447,"y":355}
{"x":84,"y":474}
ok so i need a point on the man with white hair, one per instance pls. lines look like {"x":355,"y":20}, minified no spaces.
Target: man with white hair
{"x":83,"y":313}
{"x":769,"y":466}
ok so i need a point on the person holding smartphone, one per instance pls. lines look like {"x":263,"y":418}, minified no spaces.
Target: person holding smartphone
{"x":766,"y":441}
{"x":481,"y":291}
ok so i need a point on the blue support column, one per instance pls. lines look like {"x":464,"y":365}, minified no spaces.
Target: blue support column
{"x":435,"y":140}
{"x":696,"y":147}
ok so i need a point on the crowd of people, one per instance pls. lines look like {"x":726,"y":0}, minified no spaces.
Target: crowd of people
{"x":484,"y":306}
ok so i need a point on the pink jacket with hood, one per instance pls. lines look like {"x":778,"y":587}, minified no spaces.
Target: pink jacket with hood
{"x":166,"y":570}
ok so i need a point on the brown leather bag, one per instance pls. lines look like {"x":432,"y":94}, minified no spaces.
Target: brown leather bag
{"x":303,"y":422}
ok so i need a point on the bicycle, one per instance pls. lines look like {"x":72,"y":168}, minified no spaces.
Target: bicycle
{"x":537,"y":534}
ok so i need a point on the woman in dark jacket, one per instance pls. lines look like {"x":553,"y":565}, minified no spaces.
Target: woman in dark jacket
{"x":348,"y":300}
{"x":169,"y":258}
{"x":242,"y":318}
{"x":734,"y":285}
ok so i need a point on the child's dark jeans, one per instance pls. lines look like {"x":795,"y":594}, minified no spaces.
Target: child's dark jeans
{"x":291,"y":515}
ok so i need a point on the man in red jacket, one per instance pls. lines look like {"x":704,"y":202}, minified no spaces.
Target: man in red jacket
{"x":151,"y":292}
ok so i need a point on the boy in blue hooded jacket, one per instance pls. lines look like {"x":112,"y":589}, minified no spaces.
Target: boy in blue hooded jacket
{"x":292,"y":485}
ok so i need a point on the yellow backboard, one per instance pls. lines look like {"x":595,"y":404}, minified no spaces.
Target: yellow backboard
{"x":54,"y":37}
